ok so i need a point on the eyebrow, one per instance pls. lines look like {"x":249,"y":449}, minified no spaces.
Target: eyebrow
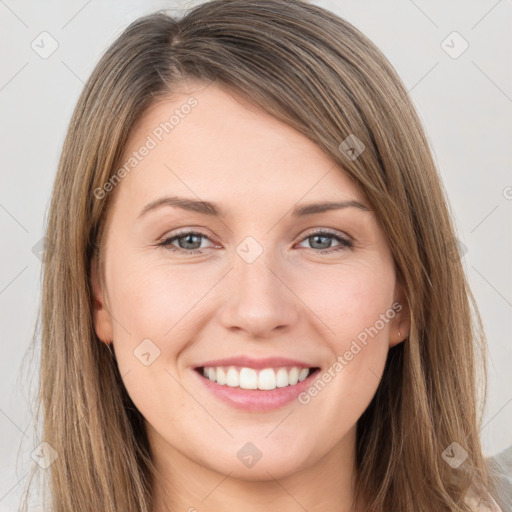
{"x":214,"y":210}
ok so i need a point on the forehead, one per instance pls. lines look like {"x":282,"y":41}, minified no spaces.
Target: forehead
{"x":210,"y":142}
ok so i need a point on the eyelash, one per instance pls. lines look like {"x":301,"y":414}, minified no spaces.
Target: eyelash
{"x":344,"y":243}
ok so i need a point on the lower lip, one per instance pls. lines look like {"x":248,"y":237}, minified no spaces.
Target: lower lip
{"x":256,"y":400}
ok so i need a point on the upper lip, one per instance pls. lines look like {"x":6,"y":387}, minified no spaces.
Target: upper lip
{"x":249,"y":362}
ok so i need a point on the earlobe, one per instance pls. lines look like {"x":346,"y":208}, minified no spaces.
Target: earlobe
{"x":396,"y":338}
{"x":101,"y":316}
{"x":401,"y":324}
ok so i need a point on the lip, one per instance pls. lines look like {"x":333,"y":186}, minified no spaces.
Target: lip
{"x":257,"y":364}
{"x":256,"y":400}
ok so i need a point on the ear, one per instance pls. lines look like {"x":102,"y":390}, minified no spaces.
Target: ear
{"x":400,"y":326}
{"x":101,"y":315}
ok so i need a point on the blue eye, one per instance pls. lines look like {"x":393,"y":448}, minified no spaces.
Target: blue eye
{"x":190,"y":242}
{"x":325,"y":237}
{"x":190,"y":239}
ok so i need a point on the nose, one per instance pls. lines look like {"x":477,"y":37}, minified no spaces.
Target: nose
{"x":261,"y":302}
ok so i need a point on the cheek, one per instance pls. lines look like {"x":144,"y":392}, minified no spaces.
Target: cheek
{"x":150,"y":303}
{"x":350,"y":298}
{"x":355,"y":306}
{"x":153,"y":299}
{"x":171,"y":304}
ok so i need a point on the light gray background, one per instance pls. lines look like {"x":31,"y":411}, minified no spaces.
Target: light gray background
{"x":465,"y":104}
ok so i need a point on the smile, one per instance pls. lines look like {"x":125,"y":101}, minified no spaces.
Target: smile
{"x":264,"y":379}
{"x":258,"y":389}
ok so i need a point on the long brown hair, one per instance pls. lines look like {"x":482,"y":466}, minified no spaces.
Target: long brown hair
{"x":320,"y":75}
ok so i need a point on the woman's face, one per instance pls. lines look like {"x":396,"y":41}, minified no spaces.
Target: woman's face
{"x":261,"y":290}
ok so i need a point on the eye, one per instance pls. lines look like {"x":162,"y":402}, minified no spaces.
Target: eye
{"x":323,"y":239}
{"x":188,"y":241}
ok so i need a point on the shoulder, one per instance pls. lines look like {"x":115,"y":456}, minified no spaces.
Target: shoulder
{"x":500,"y":469}
{"x":481,"y":504}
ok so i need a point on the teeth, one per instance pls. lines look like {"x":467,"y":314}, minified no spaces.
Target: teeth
{"x":221,"y":376}
{"x":249,"y":378}
{"x":232,"y":379}
{"x":212,"y":374}
{"x":303,"y":374}
{"x":267,"y":379}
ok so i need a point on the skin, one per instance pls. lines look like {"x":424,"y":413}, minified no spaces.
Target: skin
{"x":292,"y":301}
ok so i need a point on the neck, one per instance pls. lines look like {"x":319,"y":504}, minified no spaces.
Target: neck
{"x":326,"y":484}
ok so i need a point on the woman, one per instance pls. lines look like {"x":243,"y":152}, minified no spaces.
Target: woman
{"x":250,"y":294}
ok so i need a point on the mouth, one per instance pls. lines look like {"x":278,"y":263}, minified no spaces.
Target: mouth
{"x":256,"y":389}
{"x":255,"y":384}
{"x":256,"y":379}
